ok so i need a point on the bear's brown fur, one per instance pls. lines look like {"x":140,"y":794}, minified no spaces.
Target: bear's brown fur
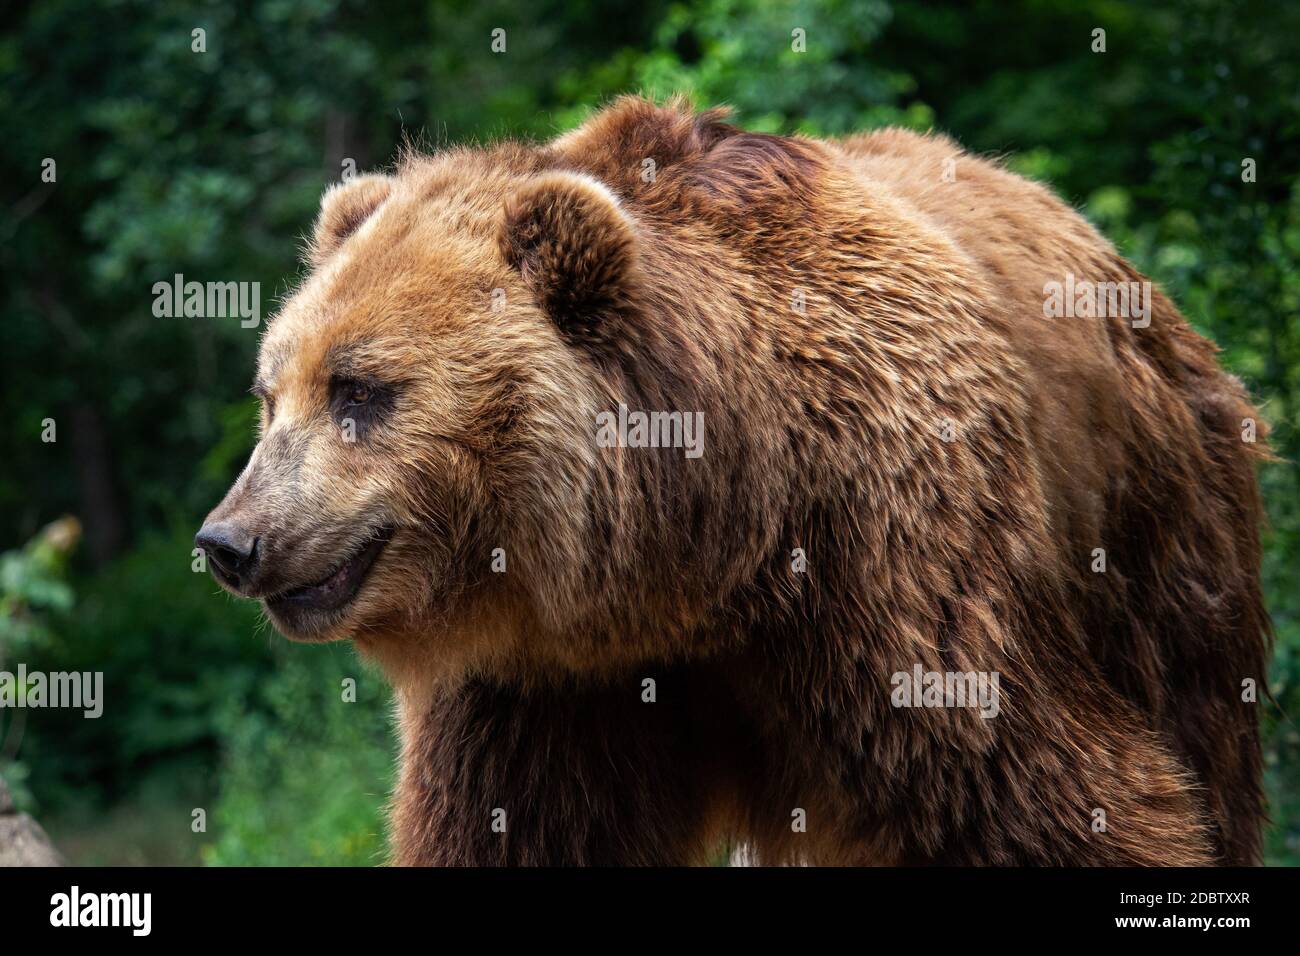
{"x":861,"y":323}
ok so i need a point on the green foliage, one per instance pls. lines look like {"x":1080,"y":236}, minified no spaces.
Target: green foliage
{"x":32,"y":589}
{"x":173,"y":648}
{"x":211,"y":165}
{"x":784,"y":66}
{"x":33,"y":586}
{"x":306,"y":774}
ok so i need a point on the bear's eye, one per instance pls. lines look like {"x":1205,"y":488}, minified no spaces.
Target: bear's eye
{"x":363,"y":402}
{"x":268,"y":403}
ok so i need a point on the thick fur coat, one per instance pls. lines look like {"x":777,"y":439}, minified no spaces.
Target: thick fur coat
{"x":626,"y":655}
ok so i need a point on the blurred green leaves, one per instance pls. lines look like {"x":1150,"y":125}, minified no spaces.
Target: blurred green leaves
{"x":33,"y":586}
{"x":305,"y":775}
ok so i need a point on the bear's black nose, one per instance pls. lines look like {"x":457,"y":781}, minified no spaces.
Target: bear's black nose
{"x":232,"y":550}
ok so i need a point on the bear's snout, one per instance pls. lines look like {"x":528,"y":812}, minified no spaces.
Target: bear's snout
{"x":233,"y":552}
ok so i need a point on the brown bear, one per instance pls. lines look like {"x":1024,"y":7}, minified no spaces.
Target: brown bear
{"x":848,"y":501}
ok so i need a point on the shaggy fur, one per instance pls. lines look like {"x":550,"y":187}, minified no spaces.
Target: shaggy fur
{"x":834,"y":308}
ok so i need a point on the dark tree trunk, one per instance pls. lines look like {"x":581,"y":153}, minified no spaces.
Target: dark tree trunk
{"x":101,"y":515}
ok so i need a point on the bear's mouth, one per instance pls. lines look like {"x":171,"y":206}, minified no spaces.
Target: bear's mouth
{"x":339,"y":586}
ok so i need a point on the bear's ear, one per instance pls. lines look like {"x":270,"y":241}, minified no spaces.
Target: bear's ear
{"x":342,"y":211}
{"x":576,"y":250}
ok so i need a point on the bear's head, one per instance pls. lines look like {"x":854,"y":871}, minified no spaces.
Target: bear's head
{"x":483,"y":409}
{"x":427,"y":453}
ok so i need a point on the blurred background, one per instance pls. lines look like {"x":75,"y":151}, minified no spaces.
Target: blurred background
{"x":212,"y":164}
